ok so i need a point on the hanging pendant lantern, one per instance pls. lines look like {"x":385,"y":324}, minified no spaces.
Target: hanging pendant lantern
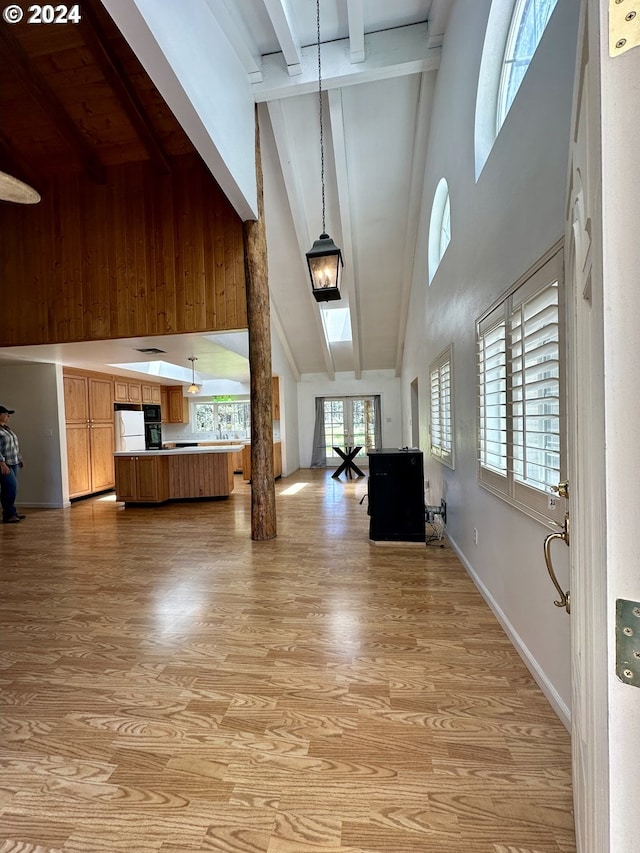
{"x":324,"y":258}
{"x":325,"y":268}
{"x":193,"y":388}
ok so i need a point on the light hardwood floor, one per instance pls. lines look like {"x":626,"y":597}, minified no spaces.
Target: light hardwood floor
{"x":169,"y":685}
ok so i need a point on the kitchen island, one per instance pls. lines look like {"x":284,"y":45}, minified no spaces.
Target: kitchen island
{"x":158,"y":476}
{"x":213,"y":442}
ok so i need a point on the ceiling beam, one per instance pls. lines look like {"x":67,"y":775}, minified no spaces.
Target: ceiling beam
{"x":280,"y":18}
{"x":350,"y":273}
{"x":438,"y":20}
{"x":39,"y":89}
{"x":391,"y":53}
{"x":355,"y":15}
{"x":414,"y":219}
{"x":298,"y":214}
{"x":128,"y":99}
{"x":240,"y":38}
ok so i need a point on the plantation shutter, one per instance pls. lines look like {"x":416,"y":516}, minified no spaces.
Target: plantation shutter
{"x":440,"y":379}
{"x":492,"y":399}
{"x":535,"y":369}
{"x":521,"y":418}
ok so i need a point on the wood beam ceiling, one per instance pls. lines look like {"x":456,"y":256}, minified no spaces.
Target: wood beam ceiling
{"x":124,"y":91}
{"x":48,"y":101}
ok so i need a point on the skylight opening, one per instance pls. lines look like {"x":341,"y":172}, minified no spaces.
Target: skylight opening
{"x":158,"y":368}
{"x":337,"y":324}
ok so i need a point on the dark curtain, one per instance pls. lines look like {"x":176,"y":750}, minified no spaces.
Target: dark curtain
{"x":318,"y":454}
{"x":378,"y":419}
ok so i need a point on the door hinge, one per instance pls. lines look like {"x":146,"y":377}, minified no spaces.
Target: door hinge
{"x":628,"y":641}
{"x":624,"y":26}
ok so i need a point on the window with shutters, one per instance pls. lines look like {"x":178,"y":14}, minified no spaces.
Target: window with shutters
{"x":521,"y":445}
{"x":441,"y":408}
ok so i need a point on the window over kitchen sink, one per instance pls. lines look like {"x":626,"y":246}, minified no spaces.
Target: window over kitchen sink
{"x":231,"y":420}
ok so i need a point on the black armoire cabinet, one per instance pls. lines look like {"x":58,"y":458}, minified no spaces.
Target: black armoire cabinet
{"x":396,"y":495}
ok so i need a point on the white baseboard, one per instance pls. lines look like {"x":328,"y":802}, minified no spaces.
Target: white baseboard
{"x":552,"y":695}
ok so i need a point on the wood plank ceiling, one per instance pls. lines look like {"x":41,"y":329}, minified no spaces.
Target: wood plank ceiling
{"x":75,"y":98}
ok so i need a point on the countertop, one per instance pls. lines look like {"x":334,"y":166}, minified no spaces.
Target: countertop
{"x":181,"y":451}
{"x":201,"y":442}
{"x":224,"y":442}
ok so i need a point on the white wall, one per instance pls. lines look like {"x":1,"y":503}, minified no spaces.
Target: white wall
{"x":383,"y":382}
{"x":288,"y":426}
{"x":35,"y":392}
{"x":499,"y":227}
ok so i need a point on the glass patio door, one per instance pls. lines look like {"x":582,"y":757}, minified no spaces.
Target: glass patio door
{"x":348,"y":421}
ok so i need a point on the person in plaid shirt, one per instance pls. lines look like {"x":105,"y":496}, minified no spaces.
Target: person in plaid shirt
{"x":10,"y":461}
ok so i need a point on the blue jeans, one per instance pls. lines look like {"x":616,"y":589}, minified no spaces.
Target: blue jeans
{"x":8,"y":490}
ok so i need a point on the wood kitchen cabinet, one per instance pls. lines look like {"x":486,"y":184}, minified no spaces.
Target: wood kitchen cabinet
{"x":155,"y":477}
{"x":164,"y":404}
{"x":277,"y":461}
{"x":78,"y":460}
{"x":236,"y":462}
{"x":142,"y":479}
{"x":125,"y":391}
{"x":236,"y":456}
{"x":177,"y":405}
{"x":150,"y":393}
{"x":88,"y":401}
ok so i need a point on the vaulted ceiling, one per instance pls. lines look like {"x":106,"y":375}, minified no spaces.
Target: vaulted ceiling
{"x":75,"y":98}
{"x":145,"y":85}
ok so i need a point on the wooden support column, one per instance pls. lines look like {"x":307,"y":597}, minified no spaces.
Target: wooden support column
{"x":263,"y":494}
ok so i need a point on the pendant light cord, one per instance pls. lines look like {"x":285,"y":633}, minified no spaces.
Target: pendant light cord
{"x":320,"y":110}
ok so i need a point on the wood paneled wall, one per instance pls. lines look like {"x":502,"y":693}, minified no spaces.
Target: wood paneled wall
{"x":142,"y":254}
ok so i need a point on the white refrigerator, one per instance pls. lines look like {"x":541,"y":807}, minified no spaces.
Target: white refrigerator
{"x":129,"y":431}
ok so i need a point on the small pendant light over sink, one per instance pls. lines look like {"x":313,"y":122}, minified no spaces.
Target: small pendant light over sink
{"x":193,"y":388}
{"x":324,"y":257}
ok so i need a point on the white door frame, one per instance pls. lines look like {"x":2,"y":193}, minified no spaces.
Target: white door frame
{"x":603,"y":241}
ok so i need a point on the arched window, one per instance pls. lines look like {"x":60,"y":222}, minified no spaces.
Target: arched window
{"x":514,"y":30}
{"x":528,"y":22}
{"x":439,"y":227}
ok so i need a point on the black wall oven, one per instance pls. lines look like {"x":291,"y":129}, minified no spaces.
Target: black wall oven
{"x":153,"y":436}
{"x":152,"y":414}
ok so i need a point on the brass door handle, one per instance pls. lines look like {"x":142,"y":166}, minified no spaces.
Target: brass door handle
{"x":564,"y":600}
{"x":561,"y":489}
